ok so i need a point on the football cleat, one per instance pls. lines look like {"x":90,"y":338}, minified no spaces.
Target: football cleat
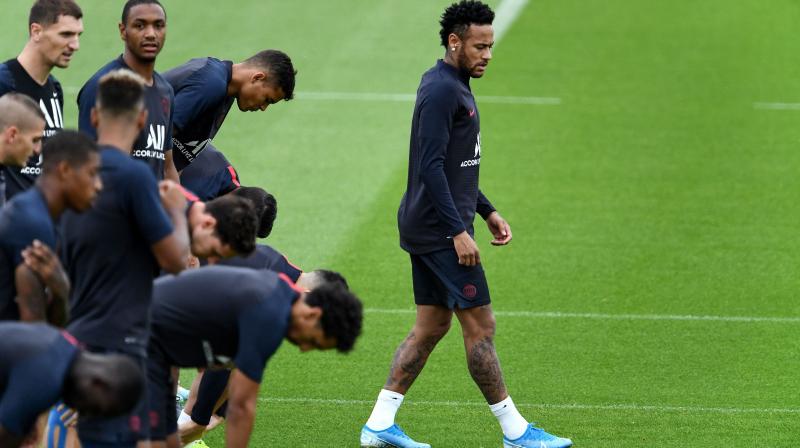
{"x":536,"y":438}
{"x":391,"y":437}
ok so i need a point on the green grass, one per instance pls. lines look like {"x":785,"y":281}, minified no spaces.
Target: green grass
{"x":654,"y":188}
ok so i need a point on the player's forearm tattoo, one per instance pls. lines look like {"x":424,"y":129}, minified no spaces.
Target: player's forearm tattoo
{"x":485,"y":370}
{"x":409,"y":359}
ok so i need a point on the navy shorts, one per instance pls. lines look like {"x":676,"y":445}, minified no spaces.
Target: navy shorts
{"x":440,"y":280}
{"x":161,"y":397}
{"x":122,"y":431}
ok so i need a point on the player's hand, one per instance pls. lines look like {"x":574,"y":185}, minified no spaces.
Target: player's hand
{"x":172,"y":197}
{"x":499,"y":228}
{"x":467,"y":250}
{"x":41,"y":260}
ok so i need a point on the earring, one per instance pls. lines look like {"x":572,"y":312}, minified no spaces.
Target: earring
{"x":452,"y":48}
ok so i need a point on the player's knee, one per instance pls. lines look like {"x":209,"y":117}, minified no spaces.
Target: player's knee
{"x":432,"y":331}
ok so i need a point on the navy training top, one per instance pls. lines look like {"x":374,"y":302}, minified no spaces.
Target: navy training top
{"x":210,"y":175}
{"x":108,"y":257}
{"x":442,"y":194}
{"x":34,"y":361}
{"x":265,"y":257}
{"x":201,"y":105}
{"x":156,"y":137}
{"x":24,"y":219}
{"x":50,"y":98}
{"x":221,"y":317}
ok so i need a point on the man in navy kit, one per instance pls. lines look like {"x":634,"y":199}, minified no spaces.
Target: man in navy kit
{"x":33,"y":285}
{"x":211,"y":176}
{"x":220,"y":316}
{"x":196,"y":418}
{"x":54,"y":28}
{"x":144,"y":30}
{"x":21,"y":132}
{"x":205,"y":89}
{"x":40,"y":365}
{"x":114,"y":251}
{"x":435,"y":222}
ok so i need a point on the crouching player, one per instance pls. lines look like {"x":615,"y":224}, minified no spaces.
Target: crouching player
{"x":206,"y":409}
{"x":221,"y":316}
{"x":40,"y":365}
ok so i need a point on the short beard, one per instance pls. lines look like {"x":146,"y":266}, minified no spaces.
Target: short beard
{"x":463,"y":63}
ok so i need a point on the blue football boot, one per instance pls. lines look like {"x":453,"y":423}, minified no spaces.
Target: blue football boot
{"x":391,"y":437}
{"x":536,"y":438}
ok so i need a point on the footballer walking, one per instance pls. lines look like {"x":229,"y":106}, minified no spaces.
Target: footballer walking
{"x":435,"y":222}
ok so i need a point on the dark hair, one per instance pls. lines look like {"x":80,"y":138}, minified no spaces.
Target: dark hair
{"x":115,"y":384}
{"x":342,"y":314}
{"x":280,"y":68}
{"x":20,"y":110}
{"x":236,"y":222}
{"x":47,"y":12}
{"x":72,"y":147}
{"x":266,"y":207}
{"x":120,"y":92}
{"x":331,"y":277}
{"x":459,"y":16}
{"x":131,"y":3}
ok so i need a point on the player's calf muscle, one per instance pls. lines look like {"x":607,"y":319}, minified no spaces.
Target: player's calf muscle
{"x":484,"y":366}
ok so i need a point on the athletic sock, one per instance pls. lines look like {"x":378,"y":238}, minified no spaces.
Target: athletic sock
{"x":183,"y":418}
{"x":511,"y":421}
{"x":384,"y":411}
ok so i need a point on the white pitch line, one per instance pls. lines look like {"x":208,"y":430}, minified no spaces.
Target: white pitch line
{"x":410,"y":98}
{"x":599,"y":407}
{"x":603,"y":316}
{"x":505,"y":15}
{"x":777,"y":106}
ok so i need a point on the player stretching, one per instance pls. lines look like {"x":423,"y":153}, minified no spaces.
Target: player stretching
{"x":113,"y":251}
{"x":54,"y":27}
{"x":33,"y":285}
{"x":144,"y":30}
{"x":220,"y":316}
{"x":435,"y":222}
{"x":205,"y":89}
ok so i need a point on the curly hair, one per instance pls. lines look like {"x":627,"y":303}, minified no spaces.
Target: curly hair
{"x":342,"y":314}
{"x":266,"y":207}
{"x":236,"y":222}
{"x":457,"y":18}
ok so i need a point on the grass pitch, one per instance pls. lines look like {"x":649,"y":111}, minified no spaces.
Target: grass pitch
{"x":655,"y":191}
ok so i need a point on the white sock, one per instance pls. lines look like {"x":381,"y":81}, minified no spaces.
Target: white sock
{"x":183,"y":418}
{"x":511,"y":421}
{"x":384,"y":411}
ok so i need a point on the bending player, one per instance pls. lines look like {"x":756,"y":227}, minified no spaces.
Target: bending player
{"x":33,"y":285}
{"x":435,"y":221}
{"x":205,"y":89}
{"x":206,"y":408}
{"x":54,"y":29}
{"x":40,"y":365}
{"x":144,"y":31}
{"x":220,"y":316}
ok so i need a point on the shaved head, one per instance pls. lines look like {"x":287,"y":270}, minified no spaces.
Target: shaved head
{"x":20,"y":111}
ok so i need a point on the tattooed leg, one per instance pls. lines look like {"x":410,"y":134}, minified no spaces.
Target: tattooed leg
{"x":478,"y":326}
{"x":411,"y":355}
